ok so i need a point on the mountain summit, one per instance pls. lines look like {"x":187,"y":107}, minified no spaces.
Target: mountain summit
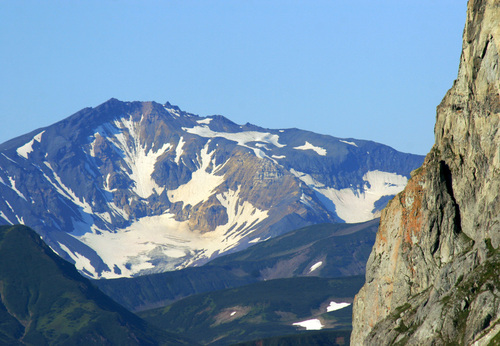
{"x":129,"y":188}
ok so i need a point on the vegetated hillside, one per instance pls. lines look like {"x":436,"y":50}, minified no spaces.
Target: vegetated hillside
{"x":260,"y":310}
{"x":97,"y":184}
{"x":45,"y":301}
{"x":326,"y":250}
{"x":433,"y":276}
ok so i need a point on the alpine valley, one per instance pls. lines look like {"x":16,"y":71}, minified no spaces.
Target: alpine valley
{"x":133,"y":188}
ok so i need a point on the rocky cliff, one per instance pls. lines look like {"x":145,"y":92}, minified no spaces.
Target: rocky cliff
{"x":433,"y":276}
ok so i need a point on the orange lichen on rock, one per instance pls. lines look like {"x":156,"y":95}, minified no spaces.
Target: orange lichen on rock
{"x":411,"y":200}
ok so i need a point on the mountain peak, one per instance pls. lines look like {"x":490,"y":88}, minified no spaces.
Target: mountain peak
{"x":128,"y":188}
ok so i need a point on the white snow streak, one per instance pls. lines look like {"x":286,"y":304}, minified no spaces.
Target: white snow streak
{"x":64,"y":190}
{"x":336,"y":306}
{"x":350,"y":143}
{"x":139,"y":160}
{"x":315,"y":266}
{"x":309,"y":146}
{"x":178,"y":150}
{"x":313,"y":324}
{"x":13,"y":187}
{"x":5,"y":217}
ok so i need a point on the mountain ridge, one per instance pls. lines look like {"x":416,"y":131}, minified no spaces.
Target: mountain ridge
{"x":44,"y":300}
{"x":97,"y":183}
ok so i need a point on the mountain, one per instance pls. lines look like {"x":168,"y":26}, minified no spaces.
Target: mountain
{"x":45,"y":301}
{"x":260,"y":310}
{"x":325,"y":250}
{"x":433,"y":276}
{"x":129,"y":188}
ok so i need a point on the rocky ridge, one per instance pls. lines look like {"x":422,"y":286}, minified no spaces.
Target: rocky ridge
{"x":433,"y":274}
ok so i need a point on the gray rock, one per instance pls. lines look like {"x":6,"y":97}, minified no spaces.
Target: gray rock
{"x":437,"y":255}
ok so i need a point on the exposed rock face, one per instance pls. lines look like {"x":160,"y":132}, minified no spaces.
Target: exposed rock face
{"x":433,"y":276}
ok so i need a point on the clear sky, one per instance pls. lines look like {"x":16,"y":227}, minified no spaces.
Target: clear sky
{"x":355,"y":69}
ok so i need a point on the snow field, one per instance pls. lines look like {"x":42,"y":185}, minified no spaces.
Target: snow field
{"x":357,"y":205}
{"x":309,"y":146}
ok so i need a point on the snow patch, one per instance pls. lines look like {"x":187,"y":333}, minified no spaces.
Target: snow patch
{"x":242,"y":138}
{"x":179,"y":150}
{"x":202,"y":184}
{"x":25,"y":149}
{"x":356,"y":205}
{"x":28,"y":147}
{"x":350,"y":143}
{"x":81,"y":263}
{"x":315,"y":266}
{"x":313,"y":324}
{"x":205,"y":121}
{"x":309,"y":146}
{"x":336,"y":306}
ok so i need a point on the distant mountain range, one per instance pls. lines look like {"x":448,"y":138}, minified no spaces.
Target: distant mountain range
{"x":130,"y":188}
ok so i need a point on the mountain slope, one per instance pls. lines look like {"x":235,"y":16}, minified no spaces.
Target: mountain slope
{"x":433,"y":274}
{"x":325,"y":250}
{"x":263,"y":309}
{"x":45,"y":301}
{"x":129,"y":188}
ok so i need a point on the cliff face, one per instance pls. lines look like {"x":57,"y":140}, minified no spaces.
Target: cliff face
{"x":433,"y":276}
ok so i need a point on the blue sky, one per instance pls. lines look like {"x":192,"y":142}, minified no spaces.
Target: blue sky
{"x":355,"y":69}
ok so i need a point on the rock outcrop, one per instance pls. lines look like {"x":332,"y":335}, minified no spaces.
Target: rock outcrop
{"x":433,"y":277}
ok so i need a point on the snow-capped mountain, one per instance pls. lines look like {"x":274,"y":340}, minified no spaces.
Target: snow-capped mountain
{"x":129,"y":188}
